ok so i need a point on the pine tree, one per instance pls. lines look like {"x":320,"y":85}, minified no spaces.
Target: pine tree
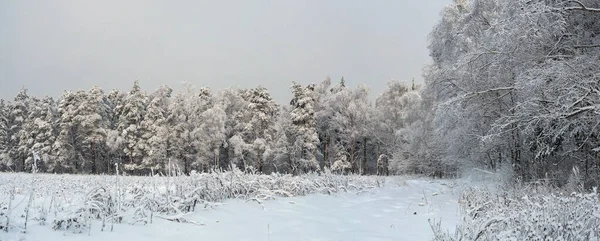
{"x":4,"y":135}
{"x":258,"y":132}
{"x":40,"y":132}
{"x":114,"y":142}
{"x":94,"y":123}
{"x":156,"y":127}
{"x":304,"y":127}
{"x":130,"y":130}
{"x":19,"y":149}
{"x":67,"y":148}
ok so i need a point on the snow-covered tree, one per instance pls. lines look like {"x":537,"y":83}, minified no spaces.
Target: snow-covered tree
{"x":4,"y":134}
{"x":94,"y":120}
{"x":304,"y":128}
{"x":185,"y":120}
{"x":67,"y":151}
{"x":212,"y":133}
{"x":513,"y":83}
{"x":398,"y":109}
{"x":259,"y":131}
{"x":156,"y":129}
{"x":323,"y":116}
{"x":130,"y":129}
{"x":279,"y":155}
{"x":20,"y":112}
{"x":235,"y":107}
{"x":41,"y":134}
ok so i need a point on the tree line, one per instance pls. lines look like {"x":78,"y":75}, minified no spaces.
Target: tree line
{"x":324,"y":125}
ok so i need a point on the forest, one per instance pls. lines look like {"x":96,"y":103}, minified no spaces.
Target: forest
{"x":513,"y":86}
{"x":324,"y":125}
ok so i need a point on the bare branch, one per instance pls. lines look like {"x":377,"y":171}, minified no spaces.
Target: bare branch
{"x":580,"y":110}
{"x":490,"y":90}
{"x":577,"y":2}
{"x":586,"y":46}
{"x":581,"y":7}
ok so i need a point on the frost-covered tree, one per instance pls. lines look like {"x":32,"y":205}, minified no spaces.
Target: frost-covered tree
{"x":67,"y":150}
{"x":212,"y":133}
{"x":279,"y":155}
{"x":4,"y":134}
{"x":185,"y":120}
{"x":235,"y":107}
{"x":323,"y":116}
{"x":304,"y":128}
{"x":19,"y":114}
{"x":130,"y":129}
{"x":261,"y":112}
{"x":351,"y":115}
{"x":94,"y":124}
{"x":398,"y":109}
{"x":156,"y":129}
{"x":114,"y":142}
{"x":513,"y":83}
{"x":41,"y":134}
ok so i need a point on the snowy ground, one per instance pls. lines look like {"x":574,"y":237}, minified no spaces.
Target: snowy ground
{"x":399,"y":211}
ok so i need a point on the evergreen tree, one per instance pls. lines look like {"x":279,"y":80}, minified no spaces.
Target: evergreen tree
{"x":130,"y":130}
{"x":4,"y":134}
{"x":40,"y":132}
{"x":67,"y":149}
{"x":94,"y":124}
{"x":304,"y":128}
{"x":185,"y":119}
{"x":156,"y":127}
{"x":258,"y":132}
{"x":114,"y":141}
{"x":19,"y":150}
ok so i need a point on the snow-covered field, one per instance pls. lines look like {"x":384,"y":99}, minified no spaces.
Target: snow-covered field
{"x":315,"y":207}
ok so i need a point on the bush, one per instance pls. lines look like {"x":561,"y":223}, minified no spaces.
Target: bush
{"x":526,"y":213}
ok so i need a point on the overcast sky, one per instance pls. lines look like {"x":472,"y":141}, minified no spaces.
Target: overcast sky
{"x":52,"y":46}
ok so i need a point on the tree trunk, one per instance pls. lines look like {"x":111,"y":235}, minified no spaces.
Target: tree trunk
{"x":355,"y":168}
{"x":365,"y":156}
{"x":94,"y":170}
{"x":217,"y":153}
{"x":325,"y":156}
{"x":258,"y":162}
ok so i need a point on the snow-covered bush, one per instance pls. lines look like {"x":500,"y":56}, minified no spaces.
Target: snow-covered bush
{"x":526,"y":213}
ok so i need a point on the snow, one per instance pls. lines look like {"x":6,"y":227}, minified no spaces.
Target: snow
{"x":398,"y":211}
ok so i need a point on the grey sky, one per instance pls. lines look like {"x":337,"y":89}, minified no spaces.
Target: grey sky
{"x":52,"y":46}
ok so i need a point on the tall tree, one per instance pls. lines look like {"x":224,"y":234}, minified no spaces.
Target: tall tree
{"x":235,"y":108}
{"x":156,"y":127}
{"x":304,"y":128}
{"x":94,"y":124}
{"x":40,"y":133}
{"x":186,"y":109}
{"x":20,"y":112}
{"x":67,"y":150}
{"x":129,"y":126}
{"x":259,"y":131}
{"x":212,"y":135}
{"x":4,"y":134}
